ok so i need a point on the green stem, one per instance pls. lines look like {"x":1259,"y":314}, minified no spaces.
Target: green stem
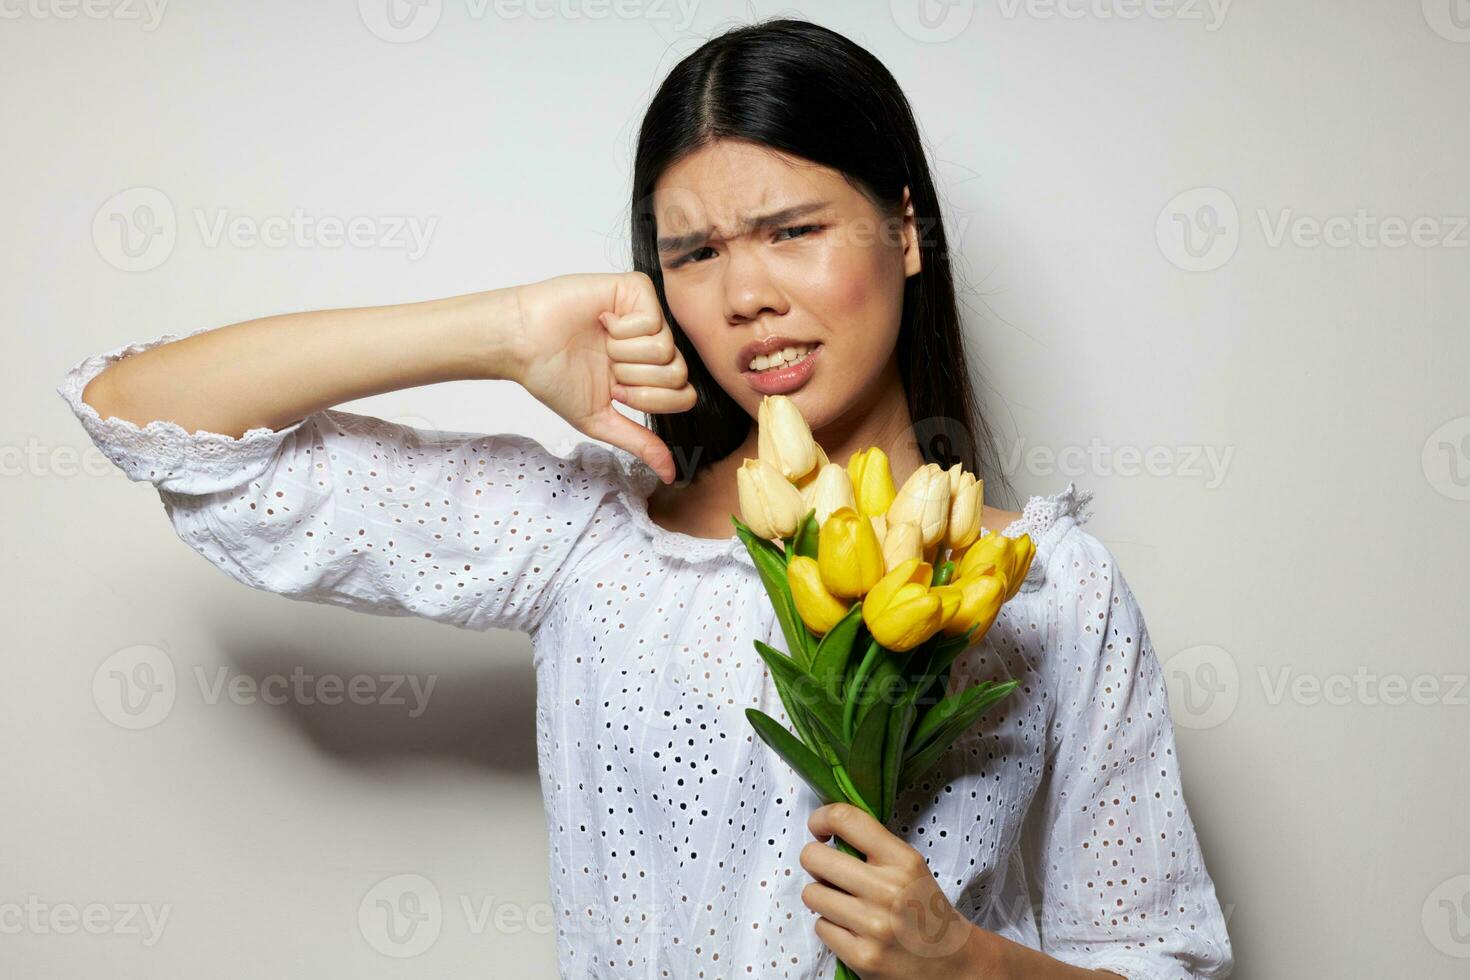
{"x":849,"y":710}
{"x":853,"y":796}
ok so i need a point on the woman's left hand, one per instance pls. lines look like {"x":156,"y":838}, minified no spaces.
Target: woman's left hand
{"x":885,"y":917}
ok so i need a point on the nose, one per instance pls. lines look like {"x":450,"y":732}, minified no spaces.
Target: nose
{"x":750,"y":290}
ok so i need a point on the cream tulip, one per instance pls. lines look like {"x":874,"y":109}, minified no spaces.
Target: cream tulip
{"x":924,"y":499}
{"x":784,"y":439}
{"x":966,"y":503}
{"x":903,"y":541}
{"x":769,"y":505}
{"x":831,"y":489}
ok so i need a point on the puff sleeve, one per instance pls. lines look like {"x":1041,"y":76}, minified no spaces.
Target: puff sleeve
{"x":349,"y":510}
{"x":1123,"y":884}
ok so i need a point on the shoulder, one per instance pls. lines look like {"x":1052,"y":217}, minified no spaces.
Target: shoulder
{"x":1054,"y":523}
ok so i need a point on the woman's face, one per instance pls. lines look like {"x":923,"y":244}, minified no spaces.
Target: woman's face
{"x":758,"y":246}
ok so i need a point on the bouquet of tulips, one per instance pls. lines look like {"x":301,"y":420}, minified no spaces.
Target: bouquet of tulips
{"x":877,"y":590}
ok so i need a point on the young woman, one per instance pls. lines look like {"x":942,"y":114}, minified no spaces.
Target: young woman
{"x":786,"y":239}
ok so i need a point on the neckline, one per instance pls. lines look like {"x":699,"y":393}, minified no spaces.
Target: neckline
{"x":1047,"y":518}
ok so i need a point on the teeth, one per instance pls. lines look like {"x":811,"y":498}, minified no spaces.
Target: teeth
{"x":781,"y":357}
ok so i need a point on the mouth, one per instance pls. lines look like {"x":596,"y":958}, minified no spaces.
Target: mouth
{"x":782,"y":370}
{"x":788,"y":353}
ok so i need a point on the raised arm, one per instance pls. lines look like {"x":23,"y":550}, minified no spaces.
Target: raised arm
{"x":570,"y":341}
{"x":330,"y":506}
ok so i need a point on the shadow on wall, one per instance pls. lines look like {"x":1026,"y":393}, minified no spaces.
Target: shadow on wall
{"x":387,"y":689}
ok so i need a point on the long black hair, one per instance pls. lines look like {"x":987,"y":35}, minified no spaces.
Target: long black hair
{"x":807,"y":91}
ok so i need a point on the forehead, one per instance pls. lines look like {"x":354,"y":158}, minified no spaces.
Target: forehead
{"x":729,"y":180}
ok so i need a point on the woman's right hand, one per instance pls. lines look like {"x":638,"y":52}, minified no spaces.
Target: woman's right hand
{"x":589,"y":338}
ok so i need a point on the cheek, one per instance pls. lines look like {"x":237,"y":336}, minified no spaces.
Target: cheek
{"x":859,"y":296}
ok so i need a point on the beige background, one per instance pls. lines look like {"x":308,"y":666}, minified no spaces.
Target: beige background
{"x":1278,"y":436}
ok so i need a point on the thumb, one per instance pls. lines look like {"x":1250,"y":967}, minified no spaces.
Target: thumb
{"x":612,"y":426}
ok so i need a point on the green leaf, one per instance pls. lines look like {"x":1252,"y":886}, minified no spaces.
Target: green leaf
{"x":947,"y":719}
{"x":803,"y":695}
{"x":900,"y":718}
{"x":920,"y":763}
{"x":943,"y":573}
{"x":808,"y":765}
{"x":829,"y":664}
{"x":807,"y":532}
{"x":864,"y":762}
{"x":854,"y":691}
{"x":770,"y":562}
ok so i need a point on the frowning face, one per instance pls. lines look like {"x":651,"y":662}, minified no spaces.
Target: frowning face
{"x":784,"y":276}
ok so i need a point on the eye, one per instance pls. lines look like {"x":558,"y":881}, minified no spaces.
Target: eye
{"x":798,"y":228}
{"x":684,"y":259}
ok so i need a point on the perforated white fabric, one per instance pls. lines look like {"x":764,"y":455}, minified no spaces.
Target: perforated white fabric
{"x":1057,"y":822}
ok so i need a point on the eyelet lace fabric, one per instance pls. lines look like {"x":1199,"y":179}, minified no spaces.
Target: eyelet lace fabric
{"x":1058,"y":821}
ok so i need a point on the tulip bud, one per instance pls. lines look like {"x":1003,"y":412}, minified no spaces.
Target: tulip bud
{"x":769,"y":504}
{"x":784,"y":439}
{"x":981,"y":599}
{"x":901,"y":610}
{"x":902,"y":541}
{"x":1010,"y":559}
{"x":832,"y":489}
{"x":872,"y":480}
{"x":848,"y":554}
{"x":818,"y":608}
{"x":966,"y":503}
{"x":924,"y":500}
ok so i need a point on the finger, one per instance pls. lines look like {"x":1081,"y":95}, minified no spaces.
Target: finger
{"x":853,"y":914}
{"x":631,"y":325}
{"x":848,"y":945}
{"x":828,"y":864}
{"x":859,"y":829}
{"x":672,"y":375}
{"x":612,"y":426}
{"x":657,"y":348}
{"x":656,"y":401}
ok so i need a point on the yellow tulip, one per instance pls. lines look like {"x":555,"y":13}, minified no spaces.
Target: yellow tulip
{"x":924,"y":499}
{"x":808,"y":484}
{"x":872,"y":480}
{"x":848,"y":554}
{"x":966,"y":502}
{"x":1010,"y":558}
{"x":981,"y":599}
{"x":818,"y":608}
{"x":769,"y":504}
{"x":832,"y":489}
{"x":901,"y":542}
{"x":784,"y":439}
{"x":902,"y":611}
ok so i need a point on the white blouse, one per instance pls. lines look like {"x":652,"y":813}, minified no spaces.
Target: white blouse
{"x":1057,"y":822}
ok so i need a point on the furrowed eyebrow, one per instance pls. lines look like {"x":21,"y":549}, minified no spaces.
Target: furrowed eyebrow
{"x":678,"y":243}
